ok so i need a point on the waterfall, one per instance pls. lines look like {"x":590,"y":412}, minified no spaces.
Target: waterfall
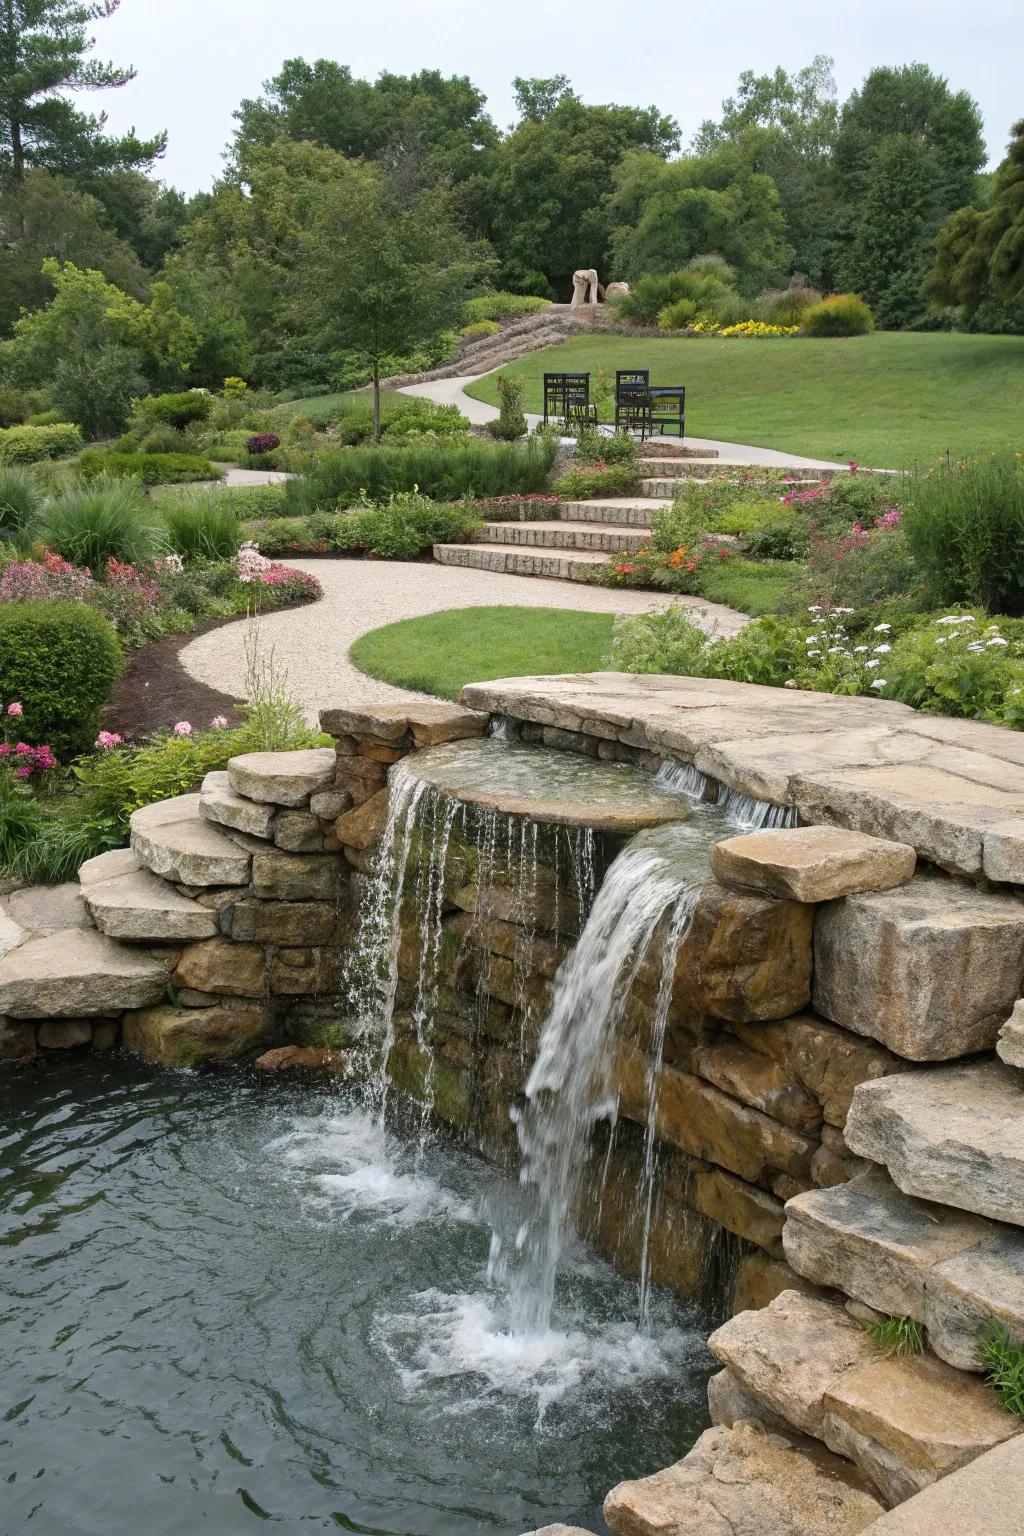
{"x":743,"y":813}
{"x":569,"y":1088}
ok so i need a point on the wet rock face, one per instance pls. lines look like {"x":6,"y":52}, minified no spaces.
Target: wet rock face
{"x":744,"y":957}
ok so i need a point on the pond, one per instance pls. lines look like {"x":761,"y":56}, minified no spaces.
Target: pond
{"x":229,"y":1303}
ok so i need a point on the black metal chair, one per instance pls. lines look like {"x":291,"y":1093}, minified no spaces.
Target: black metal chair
{"x":567,"y":399}
{"x":633,"y":400}
{"x":668,"y":410}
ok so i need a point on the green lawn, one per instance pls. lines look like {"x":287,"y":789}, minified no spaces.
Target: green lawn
{"x":886,"y":400}
{"x":441,"y":652}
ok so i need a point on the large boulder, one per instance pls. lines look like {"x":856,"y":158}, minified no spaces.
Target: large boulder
{"x":188,"y":1037}
{"x":932,"y":969}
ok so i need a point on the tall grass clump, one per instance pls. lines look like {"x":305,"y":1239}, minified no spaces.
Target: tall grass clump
{"x":444,"y":471}
{"x":1003,"y":1362}
{"x":107,"y":519}
{"x":786,"y":306}
{"x":202,"y":527}
{"x":21,"y":504}
{"x":841,"y":314}
{"x":964,"y":523}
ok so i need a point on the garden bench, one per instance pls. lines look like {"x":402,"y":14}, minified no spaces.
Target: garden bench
{"x":633,"y":400}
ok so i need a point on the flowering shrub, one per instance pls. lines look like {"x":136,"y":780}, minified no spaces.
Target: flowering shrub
{"x":677,"y":570}
{"x":263,"y":442}
{"x":25,"y":761}
{"x":249,"y":563}
{"x":742,"y":328}
{"x":25,"y":581}
{"x":288,"y":583}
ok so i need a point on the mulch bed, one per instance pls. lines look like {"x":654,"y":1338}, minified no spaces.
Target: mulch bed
{"x":155,"y":691}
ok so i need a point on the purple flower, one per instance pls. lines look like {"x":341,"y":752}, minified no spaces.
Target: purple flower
{"x":183,"y":728}
{"x":263,"y":442}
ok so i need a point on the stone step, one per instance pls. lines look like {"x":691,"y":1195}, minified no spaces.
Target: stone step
{"x":904,"y":1422}
{"x":282,"y":778}
{"x":745,"y":1479}
{"x":949,"y":1134}
{"x":517,"y":562}
{"x":218,"y":802}
{"x":78,"y":973}
{"x":982,"y":1499}
{"x":669,"y":485}
{"x":702,"y":466}
{"x":173,"y":839}
{"x":623,"y":512}
{"x":140,"y":906}
{"x":563,"y":534}
{"x":910,"y":1258}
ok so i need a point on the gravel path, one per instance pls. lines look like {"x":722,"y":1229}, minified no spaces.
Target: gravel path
{"x":311,"y":643}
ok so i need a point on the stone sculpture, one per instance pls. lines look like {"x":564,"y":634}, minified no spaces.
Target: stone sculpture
{"x":614,"y":289}
{"x":584,"y":287}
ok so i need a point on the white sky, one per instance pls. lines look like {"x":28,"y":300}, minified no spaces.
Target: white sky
{"x":197,"y":58}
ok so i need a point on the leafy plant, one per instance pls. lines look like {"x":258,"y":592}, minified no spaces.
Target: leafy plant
{"x":664,"y":641}
{"x":841,"y":314}
{"x":406,"y":525}
{"x":511,"y":423}
{"x":900,"y":1336}
{"x":21,"y":503}
{"x":173,"y":410}
{"x":30,"y":445}
{"x":504,"y":306}
{"x":478,"y":330}
{"x":149,"y":468}
{"x":61,"y":660}
{"x":964,"y":523}
{"x":202,"y":527}
{"x":1002,"y":1359}
{"x":787,"y":306}
{"x":262,"y":442}
{"x":90,"y":524}
{"x":444,"y":470}
{"x":580,"y":482}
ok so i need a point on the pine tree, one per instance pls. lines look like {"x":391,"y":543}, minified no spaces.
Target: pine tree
{"x":43,"y":48}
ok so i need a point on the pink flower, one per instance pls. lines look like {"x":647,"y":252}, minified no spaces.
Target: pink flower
{"x":15,"y":709}
{"x":107,"y":739}
{"x":5,"y":749}
{"x":23,"y":773}
{"x":218,"y":722}
{"x":183,"y":728}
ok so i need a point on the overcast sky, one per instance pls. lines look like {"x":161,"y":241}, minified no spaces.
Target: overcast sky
{"x":197,"y":58}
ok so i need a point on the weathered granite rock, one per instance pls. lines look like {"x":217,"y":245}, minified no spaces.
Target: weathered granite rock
{"x":740,"y":1480}
{"x":740,"y":1208}
{"x":282,"y":778}
{"x":298,"y":832}
{"x":361,"y":827}
{"x":755,"y":1079}
{"x":827,"y":1060}
{"x":64,"y":1034}
{"x":223,"y":967}
{"x":141,"y":906}
{"x":554,"y":908}
{"x":952,"y":1135}
{"x":984,"y":1498}
{"x":833,"y":1162}
{"x":560,"y":1530}
{"x":907,"y":1421}
{"x":760,"y":1278}
{"x":173,"y":839}
{"x":329,"y":804}
{"x":186,"y":1037}
{"x":45,"y":909}
{"x":108,"y":866}
{"x":706,"y":1123}
{"x":284,"y":922}
{"x":17,"y":1042}
{"x":812,"y":863}
{"x":1010,"y":1044}
{"x":77,"y":973}
{"x":931,"y":970}
{"x":871,"y":1241}
{"x":305,"y":972}
{"x":359,"y":777}
{"x":964,"y":1293}
{"x":280,"y":876}
{"x":744,"y":956}
{"x":429,"y":722}
{"x":219,"y":802}
{"x":11,"y":934}
{"x":791,"y":1353}
{"x":302,"y":1058}
{"x":729,"y":1400}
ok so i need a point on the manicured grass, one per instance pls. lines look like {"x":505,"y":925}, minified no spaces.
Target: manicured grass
{"x":751,"y":586}
{"x":441,"y":652}
{"x":887,"y":400}
{"x":320,"y":408}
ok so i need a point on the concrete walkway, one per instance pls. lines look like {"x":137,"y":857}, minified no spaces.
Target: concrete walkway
{"x":311,"y":643}
{"x":478,"y":412}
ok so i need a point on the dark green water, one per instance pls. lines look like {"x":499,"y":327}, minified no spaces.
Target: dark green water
{"x":227,"y":1305}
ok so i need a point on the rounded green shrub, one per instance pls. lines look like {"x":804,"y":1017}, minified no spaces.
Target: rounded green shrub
{"x":478,"y":330}
{"x":173,"y":410}
{"x":841,"y":314}
{"x":107,"y":519}
{"x":162,"y":440}
{"x":31,"y":445}
{"x":786,"y":306}
{"x":60,"y":661}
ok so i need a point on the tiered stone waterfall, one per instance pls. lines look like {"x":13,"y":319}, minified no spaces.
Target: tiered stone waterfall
{"x":792,"y":1076}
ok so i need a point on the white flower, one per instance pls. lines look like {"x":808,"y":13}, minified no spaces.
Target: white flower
{"x":845,"y":610}
{"x":811,"y":640}
{"x":790,"y":683}
{"x":814,"y":608}
{"x":882,"y":629}
{"x":941,"y":639}
{"x":860,"y":650}
{"x":814,"y":653}
{"x":957,"y":618}
{"x":879,"y":682}
{"x":872,"y":663}
{"x":836,"y":650}
{"x":881,"y":650}
{"x":997,"y":640}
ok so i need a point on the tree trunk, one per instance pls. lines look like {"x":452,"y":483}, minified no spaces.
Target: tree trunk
{"x":376,"y":399}
{"x":17,"y":151}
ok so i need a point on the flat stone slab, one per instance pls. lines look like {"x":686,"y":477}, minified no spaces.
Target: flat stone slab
{"x":282,"y":778}
{"x":813,"y":863}
{"x":871,"y":1241}
{"x":77,"y":973}
{"x":743,"y":1480}
{"x":141,"y":906}
{"x":967,"y":1291}
{"x":552,"y":787}
{"x":43,"y":909}
{"x":173,"y":839}
{"x":951,"y":1134}
{"x":108,"y":866}
{"x":220,"y":803}
{"x":984,"y":1498}
{"x":11,"y":934}
{"x":931,"y":969}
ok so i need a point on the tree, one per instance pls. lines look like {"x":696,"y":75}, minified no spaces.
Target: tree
{"x":665,"y":214}
{"x":43,"y":47}
{"x":548,"y":193}
{"x":981,"y":253}
{"x":377,"y":275}
{"x":888,"y":257}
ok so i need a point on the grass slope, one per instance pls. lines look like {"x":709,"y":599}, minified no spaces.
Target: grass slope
{"x":441,"y":652}
{"x":888,"y":400}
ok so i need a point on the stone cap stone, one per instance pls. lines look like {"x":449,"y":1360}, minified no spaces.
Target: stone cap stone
{"x":428,"y":722}
{"x":282,"y":778}
{"x":985,"y":1498}
{"x":813,"y":863}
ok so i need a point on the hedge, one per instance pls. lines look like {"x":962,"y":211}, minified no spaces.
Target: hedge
{"x":60,"y":661}
{"x":150,"y":468}
{"x":31,"y":445}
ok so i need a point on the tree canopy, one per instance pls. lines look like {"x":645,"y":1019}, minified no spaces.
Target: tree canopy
{"x":981,"y":252}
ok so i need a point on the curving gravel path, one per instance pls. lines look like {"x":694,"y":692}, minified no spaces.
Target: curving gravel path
{"x":311,"y":643}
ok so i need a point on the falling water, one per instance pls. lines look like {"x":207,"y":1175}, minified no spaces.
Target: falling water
{"x":741,"y":811}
